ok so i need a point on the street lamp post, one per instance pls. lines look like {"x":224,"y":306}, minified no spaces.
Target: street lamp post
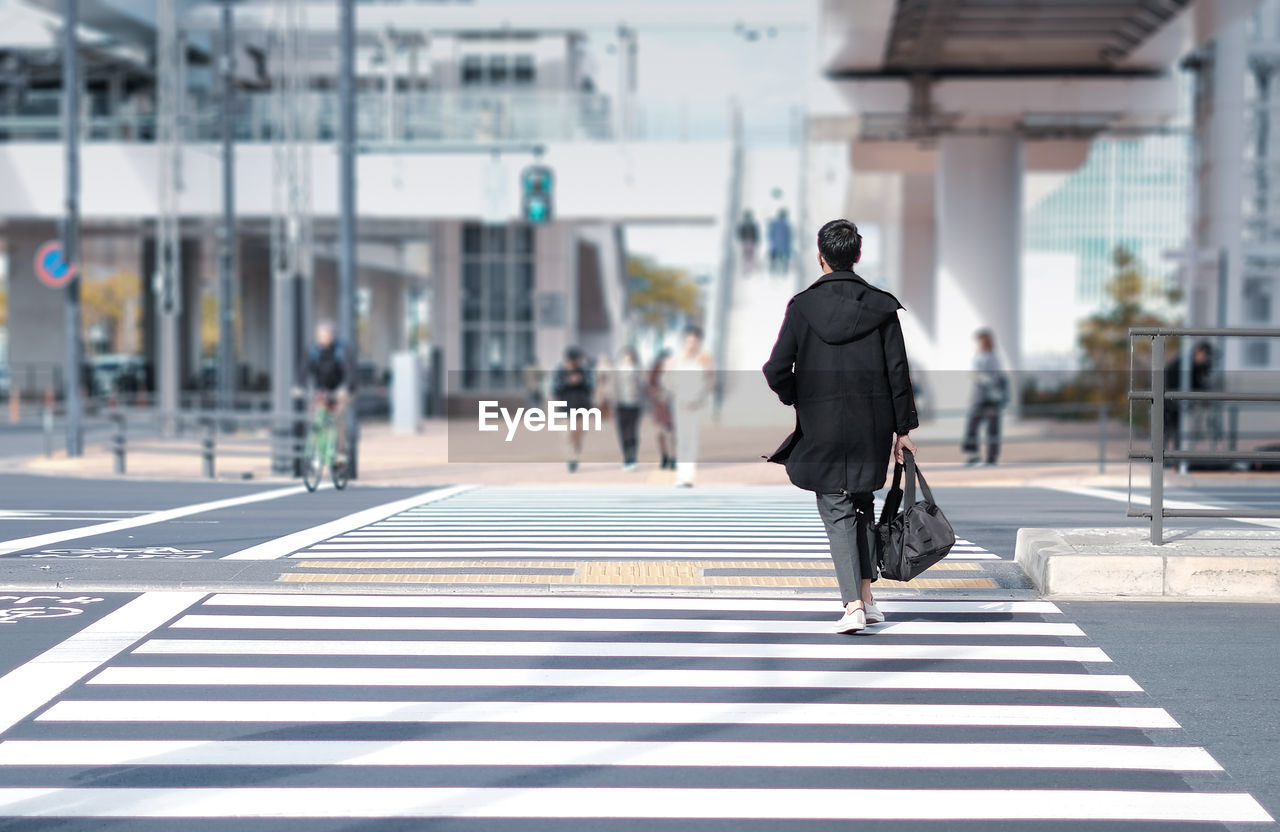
{"x":347,"y":214}
{"x":71,"y":221}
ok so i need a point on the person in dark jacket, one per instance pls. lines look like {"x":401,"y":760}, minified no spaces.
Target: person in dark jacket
{"x":574,"y":384}
{"x":1201,"y":413}
{"x":325,"y":373}
{"x":841,"y":362}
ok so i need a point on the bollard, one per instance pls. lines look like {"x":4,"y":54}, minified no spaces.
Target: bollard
{"x":207,"y":446}
{"x":118,"y":441}
{"x":1102,"y":437}
{"x":46,"y":419}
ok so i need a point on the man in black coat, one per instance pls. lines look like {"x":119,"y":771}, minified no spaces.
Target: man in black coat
{"x":841,"y":361}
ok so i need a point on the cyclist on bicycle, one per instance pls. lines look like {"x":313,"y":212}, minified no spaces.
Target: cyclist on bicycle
{"x":325,"y":374}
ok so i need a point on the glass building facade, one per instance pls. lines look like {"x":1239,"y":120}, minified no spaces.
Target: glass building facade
{"x":1131,"y":192}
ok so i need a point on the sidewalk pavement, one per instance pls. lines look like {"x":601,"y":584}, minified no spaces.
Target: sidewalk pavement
{"x":427,"y":458}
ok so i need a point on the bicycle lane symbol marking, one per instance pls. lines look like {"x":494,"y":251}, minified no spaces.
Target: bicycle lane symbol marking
{"x":119,"y":553}
{"x":29,"y":609}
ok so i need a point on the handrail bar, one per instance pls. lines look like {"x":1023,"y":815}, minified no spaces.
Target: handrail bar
{"x":1255,"y":332}
{"x":1157,"y":397}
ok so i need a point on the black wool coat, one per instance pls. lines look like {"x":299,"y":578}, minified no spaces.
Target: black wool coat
{"x":841,"y":361}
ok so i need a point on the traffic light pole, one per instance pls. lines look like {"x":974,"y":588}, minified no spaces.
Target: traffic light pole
{"x":347,"y":216}
{"x":227,"y":234}
{"x":71,"y":221}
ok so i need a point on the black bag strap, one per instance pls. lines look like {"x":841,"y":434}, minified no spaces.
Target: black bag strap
{"x":892,"y":500}
{"x":914,"y":475}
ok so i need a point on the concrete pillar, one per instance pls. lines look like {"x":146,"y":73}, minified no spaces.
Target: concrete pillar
{"x":255,"y":308}
{"x":917,"y":251}
{"x":1224,"y":174}
{"x":173,"y":341}
{"x":979,"y":240}
{"x":36,"y":343}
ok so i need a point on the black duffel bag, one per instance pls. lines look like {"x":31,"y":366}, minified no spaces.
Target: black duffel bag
{"x":909,"y":541}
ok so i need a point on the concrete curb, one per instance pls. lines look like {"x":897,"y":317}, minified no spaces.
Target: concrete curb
{"x":1120,"y":564}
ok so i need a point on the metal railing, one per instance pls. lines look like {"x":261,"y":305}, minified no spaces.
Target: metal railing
{"x":1158,"y":395}
{"x":285,"y":445}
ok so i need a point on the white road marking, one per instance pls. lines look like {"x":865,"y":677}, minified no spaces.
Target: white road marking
{"x":616,"y":625}
{"x":39,"y":540}
{"x":634,"y":803}
{"x":31,"y":685}
{"x":1116,"y":497}
{"x":602,"y":753}
{"x":575,"y":602}
{"x":610,"y":678}
{"x":282,"y":546}
{"x":657,"y":649}
{"x":200,"y":711}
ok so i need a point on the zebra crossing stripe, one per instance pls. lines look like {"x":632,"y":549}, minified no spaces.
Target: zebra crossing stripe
{"x":635,"y":803}
{"x":620,"y":603}
{"x":597,"y":753}
{"x":610,"y":678}
{"x":282,"y":546}
{"x":628,"y":649}
{"x":616,"y":625}
{"x":198,"y":711}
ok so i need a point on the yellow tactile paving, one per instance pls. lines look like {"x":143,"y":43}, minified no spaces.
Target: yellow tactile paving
{"x":611,"y":573}
{"x":744,"y":581}
{"x":574,"y":564}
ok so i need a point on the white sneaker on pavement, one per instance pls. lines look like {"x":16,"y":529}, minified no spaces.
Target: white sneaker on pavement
{"x":874,"y":616}
{"x":854,"y":619}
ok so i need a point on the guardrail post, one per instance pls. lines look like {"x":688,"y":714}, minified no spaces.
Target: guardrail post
{"x":1102,"y":437}
{"x":118,"y":441}
{"x":1157,"y":440}
{"x":207,"y":445}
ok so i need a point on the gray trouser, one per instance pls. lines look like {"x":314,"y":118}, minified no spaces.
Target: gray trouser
{"x":847,"y":518}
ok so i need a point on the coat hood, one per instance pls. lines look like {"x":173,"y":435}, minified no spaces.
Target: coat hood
{"x":842,"y":307}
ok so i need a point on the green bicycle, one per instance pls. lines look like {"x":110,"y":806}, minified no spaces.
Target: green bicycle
{"x":322,"y":446}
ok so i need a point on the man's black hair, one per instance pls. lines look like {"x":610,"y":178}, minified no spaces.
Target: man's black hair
{"x":840,"y":244}
{"x":694,"y":330}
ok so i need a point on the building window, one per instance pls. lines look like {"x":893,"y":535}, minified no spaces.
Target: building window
{"x":1257,"y":353}
{"x":472,"y":70}
{"x":524,"y":71}
{"x":1259,"y":293}
{"x":498,"y":285}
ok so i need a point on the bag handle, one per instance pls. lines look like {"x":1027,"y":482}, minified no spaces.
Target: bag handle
{"x":914,"y":474}
{"x":893,"y":499}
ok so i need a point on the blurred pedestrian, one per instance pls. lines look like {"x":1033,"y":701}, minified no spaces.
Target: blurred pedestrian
{"x":660,"y":407}
{"x":986,"y":402}
{"x":628,"y":394}
{"x":532,"y":375}
{"x":1202,"y":414}
{"x":748,"y":238}
{"x":575,"y":386}
{"x":841,"y":362}
{"x":690,"y":379}
{"x":780,"y":242}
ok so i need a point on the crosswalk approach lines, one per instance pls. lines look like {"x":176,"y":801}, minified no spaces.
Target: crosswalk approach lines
{"x":686,"y":710}
{"x":500,"y":523}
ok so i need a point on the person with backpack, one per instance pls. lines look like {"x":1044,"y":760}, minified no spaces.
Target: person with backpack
{"x":840,"y":360}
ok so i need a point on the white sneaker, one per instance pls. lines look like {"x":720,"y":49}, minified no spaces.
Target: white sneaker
{"x":874,"y":616}
{"x":854,"y":619}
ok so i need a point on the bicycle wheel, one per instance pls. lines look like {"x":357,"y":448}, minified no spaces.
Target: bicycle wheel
{"x":340,"y":475}
{"x":312,"y":463}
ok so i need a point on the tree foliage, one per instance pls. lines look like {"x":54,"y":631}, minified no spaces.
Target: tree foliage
{"x":660,"y":293}
{"x":1104,"y":337}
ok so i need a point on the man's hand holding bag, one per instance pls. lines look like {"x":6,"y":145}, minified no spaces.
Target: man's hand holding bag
{"x":908,"y":541}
